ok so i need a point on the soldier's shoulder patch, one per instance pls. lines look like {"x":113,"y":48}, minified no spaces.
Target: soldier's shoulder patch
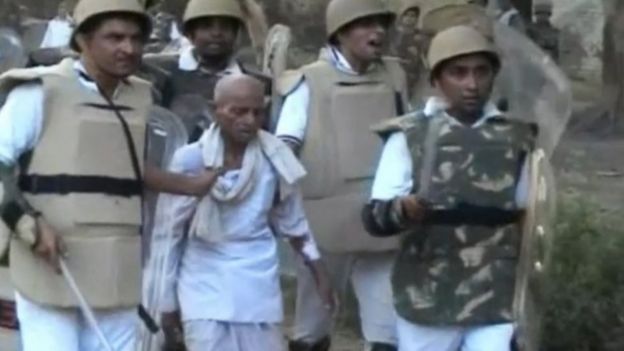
{"x":397,"y":124}
{"x":289,"y":81}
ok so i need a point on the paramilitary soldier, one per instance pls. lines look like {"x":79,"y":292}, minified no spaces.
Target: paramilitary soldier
{"x":80,"y":126}
{"x":213,"y":28}
{"x":542,"y":31}
{"x":329,"y":108}
{"x":453,"y":177}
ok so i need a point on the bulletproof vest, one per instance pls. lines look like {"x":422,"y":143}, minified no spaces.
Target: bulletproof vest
{"x":340,"y":152}
{"x":80,"y":176}
{"x":459,"y":268}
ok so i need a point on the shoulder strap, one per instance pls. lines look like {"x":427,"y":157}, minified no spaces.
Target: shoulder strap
{"x":134,"y":158}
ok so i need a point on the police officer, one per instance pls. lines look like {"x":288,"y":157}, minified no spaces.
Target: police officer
{"x":329,"y":107}
{"x":453,"y":177}
{"x":77,"y":131}
{"x":542,"y":31}
{"x":212,"y":27}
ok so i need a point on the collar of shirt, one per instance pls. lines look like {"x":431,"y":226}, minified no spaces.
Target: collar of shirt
{"x":87,"y":81}
{"x":341,"y":63}
{"x":188,"y":62}
{"x":436,"y":104}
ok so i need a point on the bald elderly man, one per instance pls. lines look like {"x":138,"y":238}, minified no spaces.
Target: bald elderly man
{"x":223,"y":289}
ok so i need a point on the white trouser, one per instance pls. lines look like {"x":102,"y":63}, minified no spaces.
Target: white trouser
{"x":55,"y":329}
{"x":414,"y":337}
{"x":369,"y":274}
{"x":210,"y":335}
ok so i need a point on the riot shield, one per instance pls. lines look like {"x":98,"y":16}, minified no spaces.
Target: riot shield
{"x":275,"y":63}
{"x":165,"y":135}
{"x":12,"y":51}
{"x":533,"y":85}
{"x":537,"y":236}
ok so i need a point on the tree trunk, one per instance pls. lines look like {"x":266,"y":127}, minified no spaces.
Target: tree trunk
{"x":613,"y":66}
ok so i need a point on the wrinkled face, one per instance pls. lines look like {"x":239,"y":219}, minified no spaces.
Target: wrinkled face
{"x":241,"y":115}
{"x":214,"y":36}
{"x":115,"y":47}
{"x":410,"y":18}
{"x":365,"y":38}
{"x":466,"y":83}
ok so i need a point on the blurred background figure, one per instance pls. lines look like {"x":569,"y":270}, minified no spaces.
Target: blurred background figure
{"x":510,"y":16}
{"x":408,"y":43}
{"x":59,"y":29}
{"x":542,"y":31}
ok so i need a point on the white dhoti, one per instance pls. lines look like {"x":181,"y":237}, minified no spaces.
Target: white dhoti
{"x":65,"y":329}
{"x":210,"y":335}
{"x":369,"y":273}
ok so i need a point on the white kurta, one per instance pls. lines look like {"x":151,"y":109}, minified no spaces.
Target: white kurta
{"x":237,"y":279}
{"x":58,"y":33}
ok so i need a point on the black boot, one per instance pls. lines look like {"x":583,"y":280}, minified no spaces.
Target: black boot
{"x":321,"y":345}
{"x":380,"y":346}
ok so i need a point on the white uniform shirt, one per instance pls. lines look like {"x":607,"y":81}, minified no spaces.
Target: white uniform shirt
{"x":394,"y":173}
{"x":293,"y":119}
{"x":21,"y":118}
{"x":236,"y":280}
{"x":58,"y":33}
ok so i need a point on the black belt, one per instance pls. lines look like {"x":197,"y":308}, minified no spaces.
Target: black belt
{"x":66,"y":184}
{"x":467,"y":214}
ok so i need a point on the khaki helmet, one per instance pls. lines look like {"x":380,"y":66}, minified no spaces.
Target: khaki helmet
{"x":196,"y":9}
{"x":342,"y":12}
{"x":450,"y":13}
{"x":458,"y":41}
{"x":88,"y":9}
{"x":543,"y":7}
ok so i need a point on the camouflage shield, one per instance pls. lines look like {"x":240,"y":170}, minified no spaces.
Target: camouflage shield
{"x":534,"y":256}
{"x":165,"y":135}
{"x":12,"y":52}
{"x":275,"y":62}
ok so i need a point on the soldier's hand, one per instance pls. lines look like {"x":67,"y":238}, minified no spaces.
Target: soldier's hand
{"x":171,"y":323}
{"x":202,"y":184}
{"x":414,"y":209}
{"x":49,"y":245}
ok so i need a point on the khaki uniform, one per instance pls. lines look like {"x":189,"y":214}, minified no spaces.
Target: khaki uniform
{"x":340,"y":153}
{"x":94,"y":205}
